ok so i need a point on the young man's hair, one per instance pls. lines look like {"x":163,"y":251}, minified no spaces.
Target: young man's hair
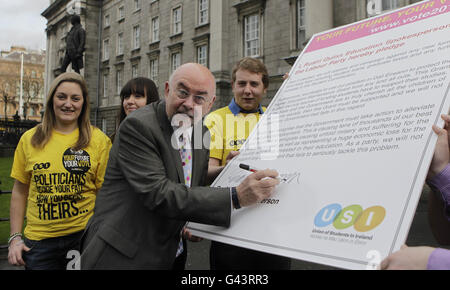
{"x":252,"y":65}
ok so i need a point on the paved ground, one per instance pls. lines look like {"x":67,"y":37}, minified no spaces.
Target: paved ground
{"x":198,"y":254}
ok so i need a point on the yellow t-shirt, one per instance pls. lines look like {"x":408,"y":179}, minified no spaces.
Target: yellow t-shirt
{"x":62,"y":183}
{"x":229,"y":131}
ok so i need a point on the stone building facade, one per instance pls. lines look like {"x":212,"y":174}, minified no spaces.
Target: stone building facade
{"x":128,"y":38}
{"x":58,"y":25}
{"x":32,"y":83}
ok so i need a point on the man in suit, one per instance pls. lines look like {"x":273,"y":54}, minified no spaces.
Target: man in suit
{"x":149,"y":192}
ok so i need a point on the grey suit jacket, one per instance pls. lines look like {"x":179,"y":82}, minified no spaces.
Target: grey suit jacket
{"x":143,"y":204}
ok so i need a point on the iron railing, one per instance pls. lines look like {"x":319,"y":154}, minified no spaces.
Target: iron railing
{"x":4,"y":219}
{"x":12,"y":130}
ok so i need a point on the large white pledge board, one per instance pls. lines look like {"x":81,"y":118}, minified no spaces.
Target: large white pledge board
{"x":350,"y":131}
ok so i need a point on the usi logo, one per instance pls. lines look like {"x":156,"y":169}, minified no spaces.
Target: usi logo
{"x":352,"y":215}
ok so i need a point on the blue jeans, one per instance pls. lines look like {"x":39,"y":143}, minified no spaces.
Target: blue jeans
{"x":50,"y":254}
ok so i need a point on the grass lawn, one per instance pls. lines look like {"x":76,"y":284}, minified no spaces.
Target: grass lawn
{"x":7,"y":184}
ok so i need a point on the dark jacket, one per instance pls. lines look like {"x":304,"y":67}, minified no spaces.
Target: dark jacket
{"x":144,"y":204}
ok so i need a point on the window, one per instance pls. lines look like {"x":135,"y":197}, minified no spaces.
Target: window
{"x":7,"y":88}
{"x":32,"y":92}
{"x":106,"y":49}
{"x":105,"y":85}
{"x":104,"y":125}
{"x":32,"y":111}
{"x":176,"y":20}
{"x":153,"y":73}
{"x":120,"y":43}
{"x":134,"y":71}
{"x":137,"y":5}
{"x":121,"y":13}
{"x":119,"y":78}
{"x":136,"y":37}
{"x":155,"y":29}
{"x":251,"y":35}
{"x":389,"y":4}
{"x":203,"y":11}
{"x":107,"y":20}
{"x":301,"y":34}
{"x":175,"y":61}
{"x":202,"y":55}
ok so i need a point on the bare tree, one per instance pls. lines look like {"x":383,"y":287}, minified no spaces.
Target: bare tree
{"x":5,"y":95}
{"x":32,"y":89}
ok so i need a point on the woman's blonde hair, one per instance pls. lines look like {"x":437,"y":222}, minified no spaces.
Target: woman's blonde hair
{"x":44,"y":130}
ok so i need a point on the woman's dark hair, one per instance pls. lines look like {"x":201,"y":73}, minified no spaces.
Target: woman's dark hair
{"x":138,"y":86}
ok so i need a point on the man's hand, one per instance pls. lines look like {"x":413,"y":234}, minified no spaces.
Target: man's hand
{"x":408,"y":258}
{"x":188,"y":236}
{"x":214,"y":167}
{"x":231,"y":155}
{"x":441,"y":155}
{"x":257,"y":186}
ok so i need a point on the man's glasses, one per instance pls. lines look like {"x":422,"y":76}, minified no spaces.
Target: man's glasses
{"x":198,"y":99}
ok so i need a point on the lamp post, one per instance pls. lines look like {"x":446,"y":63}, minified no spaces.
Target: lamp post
{"x":21,"y":86}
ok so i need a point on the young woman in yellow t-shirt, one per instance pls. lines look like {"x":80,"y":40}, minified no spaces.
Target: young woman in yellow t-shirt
{"x":58,"y":168}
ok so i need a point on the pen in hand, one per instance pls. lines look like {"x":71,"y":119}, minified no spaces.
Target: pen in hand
{"x":252,"y":169}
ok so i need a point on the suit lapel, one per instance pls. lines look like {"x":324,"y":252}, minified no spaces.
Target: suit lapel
{"x":167,"y":130}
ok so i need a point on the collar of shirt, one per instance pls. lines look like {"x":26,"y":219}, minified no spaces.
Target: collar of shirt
{"x":235,"y":109}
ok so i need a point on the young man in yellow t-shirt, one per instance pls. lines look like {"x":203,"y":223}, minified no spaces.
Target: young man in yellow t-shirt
{"x":230,"y":127}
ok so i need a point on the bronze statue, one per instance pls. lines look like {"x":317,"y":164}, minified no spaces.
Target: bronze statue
{"x":75,"y":42}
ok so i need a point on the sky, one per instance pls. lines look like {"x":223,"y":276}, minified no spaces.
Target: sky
{"x":21,"y":24}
